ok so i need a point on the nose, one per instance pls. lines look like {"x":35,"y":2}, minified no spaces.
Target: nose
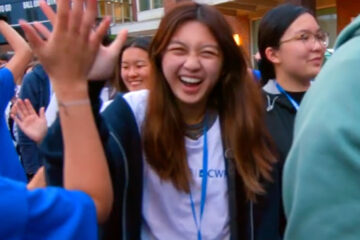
{"x":192,"y":62}
{"x":132,"y":72}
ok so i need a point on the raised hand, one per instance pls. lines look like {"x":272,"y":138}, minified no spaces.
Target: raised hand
{"x":106,"y":58}
{"x":32,"y":124}
{"x":70,"y":50}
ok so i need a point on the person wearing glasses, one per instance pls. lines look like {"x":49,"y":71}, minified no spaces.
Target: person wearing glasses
{"x":292,"y":47}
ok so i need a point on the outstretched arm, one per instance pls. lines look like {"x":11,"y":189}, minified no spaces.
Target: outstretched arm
{"x":106,"y":58}
{"x":67,"y":56}
{"x":23,"y":54}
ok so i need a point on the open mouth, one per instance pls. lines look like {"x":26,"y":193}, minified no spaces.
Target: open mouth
{"x":188,"y":81}
{"x":135,"y":83}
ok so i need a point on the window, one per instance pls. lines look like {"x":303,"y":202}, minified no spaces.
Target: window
{"x":150,"y":4}
{"x":119,"y":10}
{"x":327,"y":19}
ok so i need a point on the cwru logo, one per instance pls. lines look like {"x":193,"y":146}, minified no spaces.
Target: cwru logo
{"x":213,"y":173}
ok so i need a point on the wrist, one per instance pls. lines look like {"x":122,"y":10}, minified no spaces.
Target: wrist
{"x":73,"y":92}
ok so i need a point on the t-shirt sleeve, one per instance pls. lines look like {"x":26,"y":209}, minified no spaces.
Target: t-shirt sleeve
{"x":7,"y":88}
{"x":13,"y":209}
{"x":50,"y":213}
{"x":56,"y":213}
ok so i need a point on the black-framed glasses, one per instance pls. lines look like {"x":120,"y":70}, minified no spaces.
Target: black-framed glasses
{"x":309,"y":38}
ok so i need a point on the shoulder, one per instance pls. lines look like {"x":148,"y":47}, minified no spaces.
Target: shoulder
{"x":6,"y":74}
{"x":7,"y":86}
{"x":71,"y":211}
{"x":271,"y":95}
{"x":136,"y":98}
{"x":270,"y":88}
{"x":124,"y":112}
{"x":36,"y":76}
{"x":12,"y":203}
{"x":137,"y":101}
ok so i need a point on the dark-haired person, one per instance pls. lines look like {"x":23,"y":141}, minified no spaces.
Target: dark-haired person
{"x":205,"y":145}
{"x":9,"y":161}
{"x":292,"y":45}
{"x":134,"y":71}
{"x":135,"y":67}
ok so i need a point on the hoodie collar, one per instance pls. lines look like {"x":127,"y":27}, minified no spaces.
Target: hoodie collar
{"x":351,"y":31}
{"x":270,"y":87}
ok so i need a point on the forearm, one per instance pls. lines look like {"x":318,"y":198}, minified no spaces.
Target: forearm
{"x":14,"y":39}
{"x":83,"y":150}
{"x":23,"y":53}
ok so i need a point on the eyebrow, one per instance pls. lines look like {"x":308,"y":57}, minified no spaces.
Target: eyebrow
{"x":137,"y":61}
{"x":203,"y":46}
{"x":308,"y":31}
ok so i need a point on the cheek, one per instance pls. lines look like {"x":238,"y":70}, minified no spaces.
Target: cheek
{"x":296,"y":61}
{"x":169,"y":67}
{"x":145,"y":71}
{"x":123,"y":74}
{"x":214,"y":70}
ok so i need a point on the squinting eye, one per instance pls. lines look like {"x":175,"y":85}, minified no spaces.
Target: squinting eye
{"x":176,"y":51}
{"x":304,"y":37}
{"x":320,"y":36}
{"x":208,"y":54}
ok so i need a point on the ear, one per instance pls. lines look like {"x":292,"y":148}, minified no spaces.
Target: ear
{"x":272,"y":55}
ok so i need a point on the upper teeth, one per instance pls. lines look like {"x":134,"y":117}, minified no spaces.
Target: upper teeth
{"x":190,"y":80}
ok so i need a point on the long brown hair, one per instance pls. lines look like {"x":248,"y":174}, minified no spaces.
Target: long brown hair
{"x":236,"y":97}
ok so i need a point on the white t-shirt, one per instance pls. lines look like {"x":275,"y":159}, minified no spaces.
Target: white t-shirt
{"x":166,"y":211}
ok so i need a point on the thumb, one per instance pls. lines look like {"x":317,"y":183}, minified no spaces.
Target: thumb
{"x":119,"y":41}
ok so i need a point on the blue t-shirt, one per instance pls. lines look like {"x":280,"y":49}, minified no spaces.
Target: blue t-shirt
{"x":9,"y":160}
{"x":50,"y":213}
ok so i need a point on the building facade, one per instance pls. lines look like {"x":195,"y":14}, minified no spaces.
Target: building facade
{"x":142,"y":17}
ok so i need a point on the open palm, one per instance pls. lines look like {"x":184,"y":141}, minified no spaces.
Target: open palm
{"x":32,"y":124}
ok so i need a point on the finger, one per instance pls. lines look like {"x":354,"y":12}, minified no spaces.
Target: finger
{"x":13,"y":116}
{"x":13,"y":108}
{"x":89,"y":18}
{"x":76,"y":16}
{"x":23,"y":109}
{"x":29,"y":107}
{"x":48,"y":11}
{"x":19,"y":109}
{"x":100,"y":32}
{"x":119,"y":41}
{"x":44,"y":31}
{"x":14,"y":111}
{"x":32,"y":36}
{"x":62,"y":18}
{"x":18,"y":122}
{"x":42,"y":113}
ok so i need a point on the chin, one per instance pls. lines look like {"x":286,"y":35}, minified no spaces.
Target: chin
{"x":313,"y":73}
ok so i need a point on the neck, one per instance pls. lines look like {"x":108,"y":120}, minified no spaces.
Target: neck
{"x":192,"y":114}
{"x":292,"y":84}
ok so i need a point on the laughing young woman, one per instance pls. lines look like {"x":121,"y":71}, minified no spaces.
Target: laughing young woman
{"x":205,"y":147}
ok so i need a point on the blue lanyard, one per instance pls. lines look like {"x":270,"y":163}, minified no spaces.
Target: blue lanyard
{"x":203,"y":187}
{"x":292,"y":101}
